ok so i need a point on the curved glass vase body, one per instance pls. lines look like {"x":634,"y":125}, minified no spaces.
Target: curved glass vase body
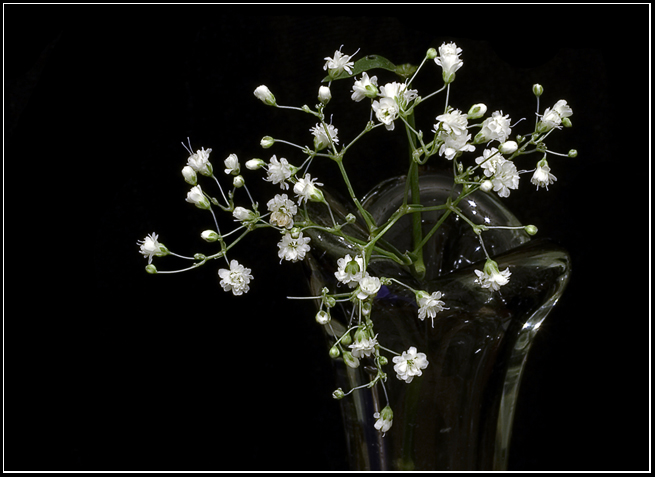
{"x":458,"y":415}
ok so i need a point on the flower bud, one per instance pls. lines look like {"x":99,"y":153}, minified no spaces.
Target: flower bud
{"x":322,"y":317}
{"x":254,"y":164}
{"x":350,"y":360}
{"x":537,"y":89}
{"x":238,"y":182}
{"x":476,"y":111}
{"x":566,"y":122}
{"x":383,"y":361}
{"x":338,"y":394}
{"x":244,"y":215}
{"x":334,"y":352}
{"x":151,"y":269}
{"x":324,"y":94}
{"x":346,"y":339}
{"x":573,"y":153}
{"x":531,"y":229}
{"x":199,"y":256}
{"x":264,"y":94}
{"x":209,"y":236}
{"x":189,"y":175}
{"x":508,"y":147}
{"x":431,"y":54}
{"x":486,"y":186}
{"x":267,"y":141}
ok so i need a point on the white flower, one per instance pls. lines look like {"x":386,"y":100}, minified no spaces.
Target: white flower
{"x":384,"y":420}
{"x":264,"y":95}
{"x":452,"y":144}
{"x":552,"y":118}
{"x":386,"y":111}
{"x":189,"y":175}
{"x":293,"y":249}
{"x":282,"y":210}
{"x":338,"y":63}
{"x":368,"y":287}
{"x":306,"y":189}
{"x":495,"y":128}
{"x":244,"y":215}
{"x":454,"y":121}
{"x":365,"y":88}
{"x":236,"y":279}
{"x":505,"y":178}
{"x":429,"y":305}
{"x":150,"y":247}
{"x":508,"y":147}
{"x":279,"y":172}
{"x":321,"y":138}
{"x":491,"y":277}
{"x":324,"y":94}
{"x":449,"y":61}
{"x":196,"y":197}
{"x":351,"y":270}
{"x":409,"y":364}
{"x":542,"y":176}
{"x":199,"y":162}
{"x":363,"y":346}
{"x":399,"y":93}
{"x":490,"y":160}
{"x":232,"y":164}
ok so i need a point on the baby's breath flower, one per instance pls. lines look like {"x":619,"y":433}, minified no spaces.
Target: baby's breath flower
{"x":399,"y":93}
{"x":453,"y":122}
{"x":232,"y":165}
{"x":491,"y":277}
{"x":386,"y":111}
{"x":505,"y":178}
{"x":338,"y":63}
{"x":384,"y":420}
{"x":282,"y":210}
{"x":508,"y":147}
{"x":490,"y":160}
{"x":306,"y":190}
{"x":429,"y":305}
{"x":365,"y":88}
{"x":254,"y":164}
{"x":350,"y":270}
{"x":151,"y":247}
{"x":364,"y":345}
{"x":321,"y":138}
{"x":199,"y":162}
{"x":453,"y":144}
{"x":279,"y":171}
{"x":552,"y":118}
{"x":409,"y":364}
{"x":494,"y":128}
{"x":542,"y":176}
{"x":236,"y":279}
{"x":293,"y":249}
{"x":449,"y":61}
{"x":368,"y":287}
{"x":244,"y":215}
{"x":477,"y":111}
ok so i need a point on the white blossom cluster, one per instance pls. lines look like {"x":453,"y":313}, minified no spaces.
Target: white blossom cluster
{"x":492,"y":169}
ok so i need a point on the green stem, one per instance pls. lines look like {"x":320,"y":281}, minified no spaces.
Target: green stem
{"x":367,"y":217}
{"x":415,"y":194}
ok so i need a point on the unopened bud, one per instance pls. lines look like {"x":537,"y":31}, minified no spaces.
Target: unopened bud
{"x":573,"y":153}
{"x":431,"y":54}
{"x":151,"y":269}
{"x":476,"y":111}
{"x":189,"y":175}
{"x":264,"y":94}
{"x":209,"y":236}
{"x":254,"y":164}
{"x":334,"y":352}
{"x":267,"y":141}
{"x":338,"y":394}
{"x":508,"y":147}
{"x":238,"y":182}
{"x":322,"y":317}
{"x":531,"y":229}
{"x":324,"y":94}
{"x":537,"y":89}
{"x":486,"y":186}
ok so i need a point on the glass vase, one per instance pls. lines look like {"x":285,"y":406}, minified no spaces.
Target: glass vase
{"x":458,"y":415}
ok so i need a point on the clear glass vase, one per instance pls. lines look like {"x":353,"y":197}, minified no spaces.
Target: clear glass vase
{"x":458,"y":415}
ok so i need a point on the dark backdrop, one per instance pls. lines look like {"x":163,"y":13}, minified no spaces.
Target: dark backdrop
{"x":108,"y":368}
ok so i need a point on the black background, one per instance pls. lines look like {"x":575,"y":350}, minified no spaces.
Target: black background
{"x":108,"y":368}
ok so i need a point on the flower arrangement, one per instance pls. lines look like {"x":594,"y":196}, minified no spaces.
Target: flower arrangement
{"x":454,"y":136}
